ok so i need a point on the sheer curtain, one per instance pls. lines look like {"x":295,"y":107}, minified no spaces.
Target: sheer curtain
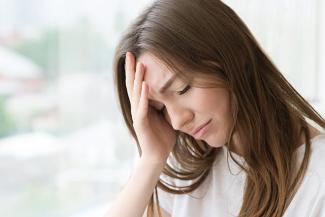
{"x":292,"y":34}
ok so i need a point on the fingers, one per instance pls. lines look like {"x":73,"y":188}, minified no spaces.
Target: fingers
{"x":136,"y":87}
{"x":129,"y":72}
{"x":143,"y":104}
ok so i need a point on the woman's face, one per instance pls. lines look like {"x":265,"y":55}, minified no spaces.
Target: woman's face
{"x":186,"y":108}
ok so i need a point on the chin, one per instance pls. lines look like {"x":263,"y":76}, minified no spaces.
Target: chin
{"x":216,"y":143}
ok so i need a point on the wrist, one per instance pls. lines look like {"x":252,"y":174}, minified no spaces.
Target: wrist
{"x":152,"y":163}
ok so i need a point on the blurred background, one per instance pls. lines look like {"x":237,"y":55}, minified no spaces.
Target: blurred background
{"x":64,"y":149}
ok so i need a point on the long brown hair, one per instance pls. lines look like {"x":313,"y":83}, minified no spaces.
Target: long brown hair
{"x":204,"y":40}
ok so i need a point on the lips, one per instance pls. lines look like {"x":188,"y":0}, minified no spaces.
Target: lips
{"x":199,"y":128}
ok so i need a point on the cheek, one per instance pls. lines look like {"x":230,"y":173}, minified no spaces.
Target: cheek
{"x":212,"y":101}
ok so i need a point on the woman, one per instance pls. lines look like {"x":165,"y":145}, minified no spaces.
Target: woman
{"x":194,"y":88}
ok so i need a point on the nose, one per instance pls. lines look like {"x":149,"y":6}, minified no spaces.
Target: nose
{"x":178,"y":116}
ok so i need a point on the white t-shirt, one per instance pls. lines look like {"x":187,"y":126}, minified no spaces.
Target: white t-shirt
{"x":222,"y":192}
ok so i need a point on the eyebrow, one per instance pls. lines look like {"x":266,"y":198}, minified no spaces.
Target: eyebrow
{"x":167,"y":84}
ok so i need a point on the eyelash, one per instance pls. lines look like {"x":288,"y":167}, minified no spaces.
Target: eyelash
{"x":179,"y":93}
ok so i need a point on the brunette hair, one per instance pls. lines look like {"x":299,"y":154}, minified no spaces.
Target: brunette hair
{"x":205,"y":42}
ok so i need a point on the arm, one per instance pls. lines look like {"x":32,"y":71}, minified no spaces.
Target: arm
{"x":164,"y":213}
{"x":133,"y":199}
{"x":156,"y":138}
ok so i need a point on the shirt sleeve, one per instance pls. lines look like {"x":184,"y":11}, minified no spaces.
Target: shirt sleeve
{"x":309,"y":201}
{"x":318,"y":209}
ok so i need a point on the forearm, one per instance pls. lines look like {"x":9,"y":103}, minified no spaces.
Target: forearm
{"x":133,"y":199}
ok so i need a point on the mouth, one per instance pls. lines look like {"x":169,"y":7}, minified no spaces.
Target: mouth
{"x":200,"y":131}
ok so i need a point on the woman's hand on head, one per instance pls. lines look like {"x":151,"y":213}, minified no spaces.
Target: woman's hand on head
{"x":155,"y":134}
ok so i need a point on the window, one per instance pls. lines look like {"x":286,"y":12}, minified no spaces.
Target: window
{"x":64,"y":149}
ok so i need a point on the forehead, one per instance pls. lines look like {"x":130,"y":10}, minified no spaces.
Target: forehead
{"x":156,"y":72}
{"x":154,"y":67}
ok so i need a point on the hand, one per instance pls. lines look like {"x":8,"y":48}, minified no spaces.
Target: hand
{"x":155,"y":135}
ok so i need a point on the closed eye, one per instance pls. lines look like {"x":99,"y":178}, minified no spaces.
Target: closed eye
{"x":161,"y":110}
{"x":184,"y":90}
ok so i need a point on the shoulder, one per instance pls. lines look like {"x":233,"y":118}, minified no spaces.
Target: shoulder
{"x":310,"y":197}
{"x":316,"y":165}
